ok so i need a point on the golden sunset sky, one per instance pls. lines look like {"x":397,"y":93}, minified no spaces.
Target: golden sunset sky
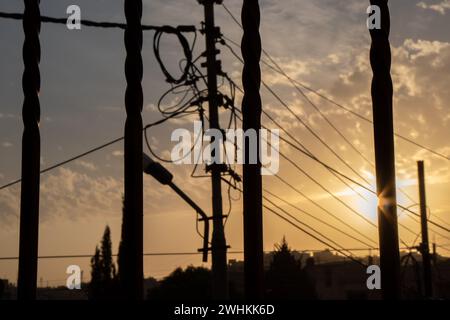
{"x":323,"y":44}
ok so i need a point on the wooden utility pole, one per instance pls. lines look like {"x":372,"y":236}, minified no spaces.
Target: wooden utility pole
{"x":219,"y":246}
{"x":132,"y":275}
{"x":252,"y":180}
{"x":382,"y":92}
{"x":31,"y":155}
{"x":424,"y":246}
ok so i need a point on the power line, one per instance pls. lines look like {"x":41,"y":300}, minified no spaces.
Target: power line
{"x":59,"y":164}
{"x":330,"y":193}
{"x":165,"y":119}
{"x":149,"y":254}
{"x":278,"y":98}
{"x":421,"y":146}
{"x":304,"y":224}
{"x":429,"y":221}
{"x":271,"y":91}
{"x":112,"y":142}
{"x":417,"y":220}
{"x":368,"y":189}
{"x":81,"y":155}
{"x":91,"y":151}
{"x":312,"y":131}
{"x":317,"y":219}
{"x":307,"y":232}
{"x":336,"y":103}
{"x":441,"y":220}
{"x":105,"y":25}
{"x":443,"y":248}
{"x":313,"y":236}
{"x":322,"y":186}
{"x":305,"y":150}
{"x":323,"y":115}
{"x":362,"y":186}
{"x":162,"y":254}
{"x":327,"y":191}
{"x":308,"y":153}
{"x":324,"y":209}
{"x":334,"y":172}
{"x":328,"y":121}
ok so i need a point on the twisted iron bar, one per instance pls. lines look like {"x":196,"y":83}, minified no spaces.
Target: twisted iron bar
{"x":131,"y":265}
{"x":252,"y":181}
{"x":29,"y":202}
{"x":382,"y":94}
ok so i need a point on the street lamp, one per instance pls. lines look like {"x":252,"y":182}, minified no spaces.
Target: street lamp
{"x":163,"y":176}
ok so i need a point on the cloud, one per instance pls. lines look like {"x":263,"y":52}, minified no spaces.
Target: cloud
{"x":440,"y":7}
{"x":317,"y":42}
{"x":416,"y":64}
{"x":86,"y":165}
{"x":420,"y":72}
{"x":423,"y":48}
{"x":111,"y":108}
{"x":118,"y":153}
{"x":69,"y":194}
{"x":73,"y":195}
{"x":293,"y":67}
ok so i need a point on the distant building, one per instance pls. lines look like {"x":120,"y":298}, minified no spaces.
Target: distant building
{"x":337,"y":278}
{"x":341,"y":280}
{"x":325,"y":256}
{"x":63,"y":293}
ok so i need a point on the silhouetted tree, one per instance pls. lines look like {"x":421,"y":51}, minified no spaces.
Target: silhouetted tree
{"x":108,"y":267}
{"x":123,"y":252}
{"x":191,"y":284}
{"x":103,"y":271}
{"x":285,"y":279}
{"x":96,"y":279}
{"x":2,"y":288}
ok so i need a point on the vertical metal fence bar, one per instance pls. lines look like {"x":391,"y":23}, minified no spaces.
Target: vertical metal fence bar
{"x":133,"y":201}
{"x":382,"y":93}
{"x":31,"y":154}
{"x":252,"y":180}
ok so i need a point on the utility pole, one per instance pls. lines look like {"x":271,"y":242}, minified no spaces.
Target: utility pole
{"x":252,"y":180}
{"x":31,"y":150}
{"x":219,"y":246}
{"x":424,"y":246}
{"x":382,"y":92}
